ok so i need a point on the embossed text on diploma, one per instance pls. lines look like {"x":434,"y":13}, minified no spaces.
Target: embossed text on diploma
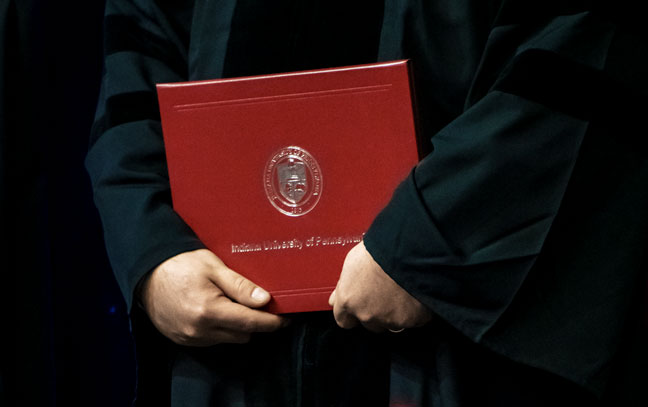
{"x":296,"y":244}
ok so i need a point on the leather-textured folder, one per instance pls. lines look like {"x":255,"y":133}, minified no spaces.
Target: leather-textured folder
{"x":281,"y":175}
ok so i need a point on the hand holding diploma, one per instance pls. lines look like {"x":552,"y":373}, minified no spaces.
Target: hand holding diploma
{"x":366,"y":295}
{"x":194,"y":299}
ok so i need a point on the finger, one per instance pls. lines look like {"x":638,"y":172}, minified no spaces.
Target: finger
{"x":343,"y":318}
{"x":373,"y":327}
{"x":236,"y":317}
{"x":239,"y":288}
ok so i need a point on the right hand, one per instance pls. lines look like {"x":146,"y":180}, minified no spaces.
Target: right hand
{"x":194,"y":299}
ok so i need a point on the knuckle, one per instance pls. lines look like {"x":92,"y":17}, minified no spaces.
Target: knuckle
{"x":248,"y":325}
{"x":187,"y":334}
{"x":351,"y":306}
{"x":341,"y":321}
{"x":240,"y":284}
{"x":199,"y":315}
{"x":346,"y":322}
{"x":366,"y":317}
{"x":182,"y":340}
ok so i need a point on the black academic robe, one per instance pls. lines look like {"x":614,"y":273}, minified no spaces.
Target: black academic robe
{"x":523,"y":230}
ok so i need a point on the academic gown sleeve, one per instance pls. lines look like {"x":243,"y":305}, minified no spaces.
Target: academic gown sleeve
{"x":145,"y":44}
{"x":479,"y":232}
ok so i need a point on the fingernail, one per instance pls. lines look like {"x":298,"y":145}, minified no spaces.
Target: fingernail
{"x":259,"y":294}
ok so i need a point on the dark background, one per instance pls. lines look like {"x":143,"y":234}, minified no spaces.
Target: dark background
{"x":64,"y":328}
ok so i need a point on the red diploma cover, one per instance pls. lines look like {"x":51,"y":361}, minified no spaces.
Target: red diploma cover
{"x":281,"y":175}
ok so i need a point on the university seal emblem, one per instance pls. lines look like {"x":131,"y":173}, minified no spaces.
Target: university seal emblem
{"x":293,"y":181}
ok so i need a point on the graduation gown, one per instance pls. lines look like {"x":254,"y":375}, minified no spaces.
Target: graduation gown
{"x":523,"y":230}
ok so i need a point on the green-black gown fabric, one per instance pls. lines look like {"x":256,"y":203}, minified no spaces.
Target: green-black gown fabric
{"x":523,"y":231}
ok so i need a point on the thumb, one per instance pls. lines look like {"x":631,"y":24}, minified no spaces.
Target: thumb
{"x":240,"y":289}
{"x":331,"y":299}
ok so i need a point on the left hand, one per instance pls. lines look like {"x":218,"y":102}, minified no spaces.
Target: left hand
{"x":366,"y":295}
